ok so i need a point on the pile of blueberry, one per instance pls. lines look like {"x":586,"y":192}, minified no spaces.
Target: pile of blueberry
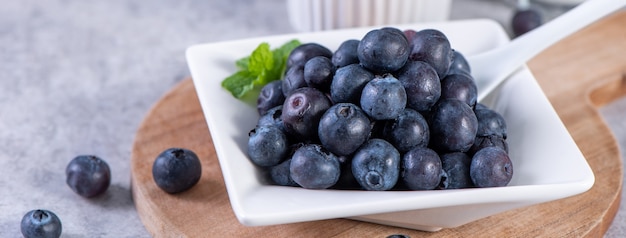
{"x":395,"y":110}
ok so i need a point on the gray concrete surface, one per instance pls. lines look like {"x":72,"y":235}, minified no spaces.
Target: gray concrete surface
{"x":77,"y":77}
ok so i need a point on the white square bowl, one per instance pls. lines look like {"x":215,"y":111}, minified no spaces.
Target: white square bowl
{"x":547,"y":163}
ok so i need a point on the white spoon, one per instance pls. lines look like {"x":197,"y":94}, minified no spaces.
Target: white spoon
{"x":490,"y":68}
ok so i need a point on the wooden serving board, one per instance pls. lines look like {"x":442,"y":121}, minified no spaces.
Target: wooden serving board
{"x":579,"y":75}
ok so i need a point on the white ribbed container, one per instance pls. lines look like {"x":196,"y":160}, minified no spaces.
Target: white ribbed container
{"x":319,"y":15}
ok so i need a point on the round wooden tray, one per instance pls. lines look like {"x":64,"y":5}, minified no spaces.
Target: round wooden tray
{"x":576,"y":78}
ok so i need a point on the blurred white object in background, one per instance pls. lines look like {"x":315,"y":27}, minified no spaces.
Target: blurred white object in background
{"x":319,"y":15}
{"x":562,"y":2}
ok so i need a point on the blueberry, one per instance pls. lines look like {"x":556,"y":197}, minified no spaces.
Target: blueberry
{"x":409,"y":34}
{"x":398,"y":236}
{"x":271,"y":117}
{"x":421,"y":169}
{"x":407,"y":131}
{"x":271,"y":95}
{"x":376,"y":165}
{"x":491,"y":167}
{"x":490,"y":123}
{"x":453,"y":126}
{"x":480,"y":106}
{"x":343,"y":128}
{"x":41,"y":224}
{"x":304,"y":52}
{"x":422,"y":85}
{"x":456,"y":168}
{"x":525,"y":20}
{"x":176,"y":170}
{"x":488,"y":141}
{"x":383,"y":98}
{"x":88,"y":175}
{"x":313,"y":167}
{"x":267,"y":146}
{"x":459,"y":64}
{"x":294,"y":79}
{"x":280,"y":174}
{"x":346,"y":53}
{"x":432,"y":47}
{"x":318,"y":73}
{"x":302,"y":111}
{"x":383,"y":50}
{"x":348,"y":83}
{"x":461,"y":87}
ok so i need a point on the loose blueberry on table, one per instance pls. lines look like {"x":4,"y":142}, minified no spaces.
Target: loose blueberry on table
{"x":525,"y":18}
{"x":41,"y":223}
{"x":88,"y":175}
{"x":176,"y":170}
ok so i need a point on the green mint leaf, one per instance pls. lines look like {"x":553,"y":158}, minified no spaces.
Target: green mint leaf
{"x":261,"y":67}
{"x":261,"y":60}
{"x":239,"y":83}
{"x":242,"y":64}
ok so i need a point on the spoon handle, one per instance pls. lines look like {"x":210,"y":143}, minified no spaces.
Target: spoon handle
{"x":492,"y":67}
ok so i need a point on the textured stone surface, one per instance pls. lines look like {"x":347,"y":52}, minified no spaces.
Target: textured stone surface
{"x":77,"y":77}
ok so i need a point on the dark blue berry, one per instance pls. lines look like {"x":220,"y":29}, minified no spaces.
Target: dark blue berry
{"x":304,"y":52}
{"x":491,"y":167}
{"x":383,"y":98}
{"x":490,"y":123}
{"x":271,"y":117}
{"x":88,"y":175}
{"x":488,"y":141}
{"x":280,"y":175}
{"x":302,"y":111}
{"x":383,"y":50}
{"x":313,"y":167}
{"x":459,"y":64}
{"x":461,"y":87}
{"x":271,"y":95}
{"x":376,"y":165}
{"x":422,"y":85}
{"x":407,"y":131}
{"x":453,"y":126}
{"x":176,"y":170}
{"x":319,"y":72}
{"x":409,"y":33}
{"x":348,"y":83}
{"x":525,"y":20}
{"x":456,"y":170}
{"x":294,"y":79}
{"x":267,"y":146}
{"x":343,"y":128}
{"x":421,"y":169}
{"x":432,"y":47}
{"x":41,"y":224}
{"x":398,"y":236}
{"x":480,"y":106}
{"x":346,"y":53}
